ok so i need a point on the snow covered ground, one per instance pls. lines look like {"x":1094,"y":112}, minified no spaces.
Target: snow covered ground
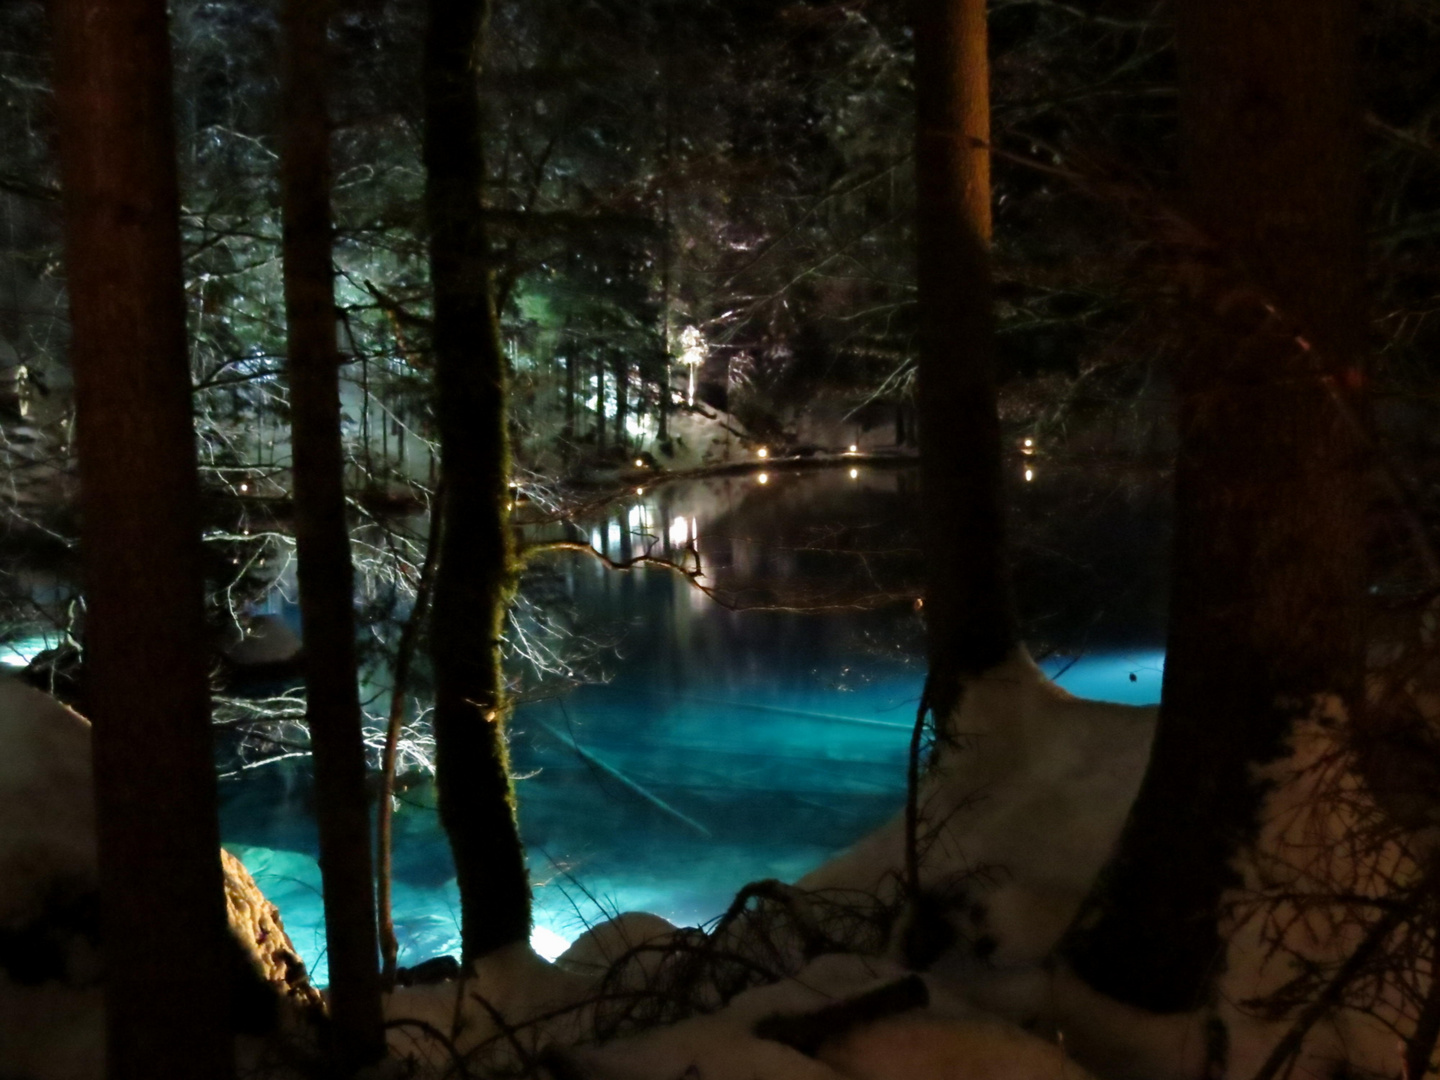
{"x":1017,"y":821}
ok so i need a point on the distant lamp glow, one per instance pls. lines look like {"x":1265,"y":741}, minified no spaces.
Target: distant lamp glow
{"x":1029,"y":475}
{"x":244,"y":488}
{"x":639,"y":491}
{"x":679,"y":531}
{"x":854,"y":474}
{"x":764,"y":478}
{"x":853,"y":449}
{"x":1027,"y":446}
{"x":762,"y":452}
{"x":639,"y":463}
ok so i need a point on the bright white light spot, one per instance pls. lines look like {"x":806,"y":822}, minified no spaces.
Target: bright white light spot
{"x":639,"y":463}
{"x":679,"y":531}
{"x":854,"y":474}
{"x":547,"y":942}
{"x":1029,"y":475}
{"x":694,"y":532}
{"x":1029,"y":442}
{"x":244,"y":488}
{"x":764,"y":478}
{"x":854,"y":448}
{"x":639,"y":491}
{"x":612,"y":534}
{"x":596,"y":540}
{"x":762,"y":452}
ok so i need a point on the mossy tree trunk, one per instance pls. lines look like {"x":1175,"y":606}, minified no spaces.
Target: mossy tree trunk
{"x":474,"y":580}
{"x":969,"y":613}
{"x":322,"y":540}
{"x":1268,"y":564}
{"x":146,"y":689}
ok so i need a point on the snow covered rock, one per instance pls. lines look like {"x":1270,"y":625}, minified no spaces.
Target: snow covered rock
{"x":1019,"y":817}
{"x":51,"y":975}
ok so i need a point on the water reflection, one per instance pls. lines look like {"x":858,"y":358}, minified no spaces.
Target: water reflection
{"x":735,"y":736}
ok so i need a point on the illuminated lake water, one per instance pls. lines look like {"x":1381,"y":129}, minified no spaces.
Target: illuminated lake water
{"x":724,"y":745}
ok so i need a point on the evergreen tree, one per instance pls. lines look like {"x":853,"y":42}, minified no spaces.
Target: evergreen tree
{"x":322,"y":541}
{"x":146,"y":687}
{"x":1269,"y":535}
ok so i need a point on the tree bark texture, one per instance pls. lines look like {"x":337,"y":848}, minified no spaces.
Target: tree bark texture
{"x":475,"y":578}
{"x":146,"y":684}
{"x":1268,"y":569}
{"x":969,"y":612}
{"x":322,"y":540}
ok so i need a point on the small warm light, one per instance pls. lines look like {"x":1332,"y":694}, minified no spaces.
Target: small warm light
{"x":764,"y":478}
{"x":762,"y":452}
{"x":639,"y":491}
{"x":854,"y":474}
{"x":639,"y":463}
{"x":510,"y":506}
{"x":853,"y":448}
{"x":1029,"y":475}
{"x":244,"y":488}
{"x":1029,"y":442}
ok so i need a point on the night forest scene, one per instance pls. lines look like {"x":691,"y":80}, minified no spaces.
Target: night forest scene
{"x":719,"y":539}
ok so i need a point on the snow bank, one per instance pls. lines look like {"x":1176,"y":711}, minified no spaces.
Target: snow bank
{"x":51,"y":1019}
{"x":51,"y":1001}
{"x":1018,"y":816}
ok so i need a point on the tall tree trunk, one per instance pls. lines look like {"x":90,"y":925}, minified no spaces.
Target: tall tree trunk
{"x":969,"y":612}
{"x":567,"y":436}
{"x":322,"y":540}
{"x":1269,"y":533}
{"x":622,"y":393}
{"x":145,"y":662}
{"x":599,"y":403}
{"x":475,"y":578}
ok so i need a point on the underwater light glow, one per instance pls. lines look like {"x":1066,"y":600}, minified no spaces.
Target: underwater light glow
{"x":547,"y":942}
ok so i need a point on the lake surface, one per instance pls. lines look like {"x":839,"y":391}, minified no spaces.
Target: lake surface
{"x":746,"y":730}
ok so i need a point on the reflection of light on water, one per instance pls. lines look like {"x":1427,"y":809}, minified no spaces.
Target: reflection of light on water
{"x":596,"y":540}
{"x":854,"y":474}
{"x":764,"y":478}
{"x":547,"y":942}
{"x":694,"y":531}
{"x":1029,"y":475}
{"x":679,"y":531}
{"x":612,"y":534}
{"x":19,"y":653}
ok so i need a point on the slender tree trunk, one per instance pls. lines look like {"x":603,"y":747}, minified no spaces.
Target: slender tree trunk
{"x":145,"y":662}
{"x":1268,"y":566}
{"x":475,"y":578}
{"x":599,"y":403}
{"x":322,"y":541}
{"x":622,"y":393}
{"x":969,"y":612}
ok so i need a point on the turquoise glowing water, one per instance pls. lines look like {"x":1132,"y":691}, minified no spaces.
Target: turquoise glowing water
{"x":726,"y":746}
